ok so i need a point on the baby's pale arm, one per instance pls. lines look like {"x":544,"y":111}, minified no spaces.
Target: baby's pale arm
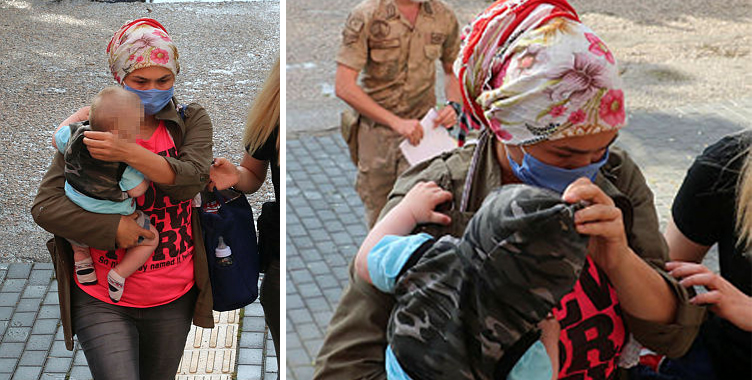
{"x":133,"y":182}
{"x":416,"y":207}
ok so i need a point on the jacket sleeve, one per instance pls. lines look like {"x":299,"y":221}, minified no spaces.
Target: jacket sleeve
{"x":191,"y":166}
{"x":54,"y":212}
{"x":646,"y":240}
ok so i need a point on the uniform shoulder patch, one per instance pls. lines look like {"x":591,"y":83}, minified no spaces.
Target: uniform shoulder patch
{"x":379,"y":29}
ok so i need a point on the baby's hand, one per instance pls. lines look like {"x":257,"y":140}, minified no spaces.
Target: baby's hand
{"x":421,"y":201}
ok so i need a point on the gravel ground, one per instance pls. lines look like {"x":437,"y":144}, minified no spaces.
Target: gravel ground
{"x":671,"y":52}
{"x":52,"y":61}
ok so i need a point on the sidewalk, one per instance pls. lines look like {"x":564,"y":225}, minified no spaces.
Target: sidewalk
{"x":32,"y":345}
{"x":325,"y":220}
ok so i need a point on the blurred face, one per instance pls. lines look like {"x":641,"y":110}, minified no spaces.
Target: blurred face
{"x":148,"y":78}
{"x":128,"y":122}
{"x":568,"y":153}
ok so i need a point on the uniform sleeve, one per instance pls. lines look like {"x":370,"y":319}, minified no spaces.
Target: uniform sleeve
{"x":131,"y":178}
{"x":353,"y":49}
{"x":388,"y":257}
{"x":191,"y":166}
{"x":646,"y":240}
{"x":61,"y":138}
{"x":451,"y":46}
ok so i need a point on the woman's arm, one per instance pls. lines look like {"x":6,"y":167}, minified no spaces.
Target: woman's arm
{"x":680,"y":248}
{"x":246,"y":177}
{"x":54,"y":212}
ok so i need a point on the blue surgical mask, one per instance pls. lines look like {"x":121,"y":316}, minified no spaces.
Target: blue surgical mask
{"x":153,"y":100}
{"x":537,"y":173}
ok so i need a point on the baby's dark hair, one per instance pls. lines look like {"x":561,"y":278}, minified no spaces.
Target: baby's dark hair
{"x":109,"y":105}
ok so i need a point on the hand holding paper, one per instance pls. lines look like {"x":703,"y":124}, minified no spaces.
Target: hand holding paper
{"x":436,"y":140}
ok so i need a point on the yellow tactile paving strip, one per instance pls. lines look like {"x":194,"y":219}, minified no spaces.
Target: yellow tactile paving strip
{"x":210,"y":353}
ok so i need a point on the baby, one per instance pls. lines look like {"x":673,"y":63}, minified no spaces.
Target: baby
{"x":106,"y":187}
{"x":476,"y":307}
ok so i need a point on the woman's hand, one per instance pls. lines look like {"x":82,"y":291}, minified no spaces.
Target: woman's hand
{"x":222,"y":174}
{"x":724,"y":299}
{"x":602,"y":221}
{"x":128,"y":232}
{"x":447,"y":117}
{"x":106,"y":147}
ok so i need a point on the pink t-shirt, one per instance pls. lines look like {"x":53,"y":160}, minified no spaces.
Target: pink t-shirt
{"x":593,"y":332}
{"x":168,"y":274}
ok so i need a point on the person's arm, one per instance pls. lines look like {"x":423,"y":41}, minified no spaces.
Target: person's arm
{"x":246,"y":177}
{"x":80,"y":115}
{"x":54,"y":212}
{"x":447,"y":115}
{"x":347,"y":89}
{"x":417,"y":207}
{"x":106,"y":147}
{"x":642,"y":291}
{"x":681,"y":248}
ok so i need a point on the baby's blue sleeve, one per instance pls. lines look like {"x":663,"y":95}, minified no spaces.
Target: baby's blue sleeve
{"x":61,"y":138}
{"x":131,"y":178}
{"x":389,"y":255}
{"x":534,"y":364}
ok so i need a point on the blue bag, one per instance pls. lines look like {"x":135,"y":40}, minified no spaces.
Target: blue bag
{"x":227,"y":214}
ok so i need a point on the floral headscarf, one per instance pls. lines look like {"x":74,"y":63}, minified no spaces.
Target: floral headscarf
{"x":530,"y":71}
{"x":138,"y":44}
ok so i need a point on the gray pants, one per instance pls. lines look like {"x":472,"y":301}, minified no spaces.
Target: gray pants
{"x":125,"y":343}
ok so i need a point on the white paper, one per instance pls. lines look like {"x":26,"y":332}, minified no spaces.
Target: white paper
{"x":434,"y":142}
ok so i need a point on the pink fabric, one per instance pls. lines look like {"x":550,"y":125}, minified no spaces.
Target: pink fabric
{"x":141,"y":43}
{"x":591,"y":319}
{"x":169,"y":272}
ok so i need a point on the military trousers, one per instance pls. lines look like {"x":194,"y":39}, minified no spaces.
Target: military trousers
{"x":380,"y":162}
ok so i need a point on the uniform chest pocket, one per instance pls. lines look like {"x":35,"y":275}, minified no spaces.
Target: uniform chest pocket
{"x":432,"y":51}
{"x":385,"y":57}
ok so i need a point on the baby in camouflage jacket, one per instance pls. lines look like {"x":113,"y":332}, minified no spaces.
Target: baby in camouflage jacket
{"x":477,"y":307}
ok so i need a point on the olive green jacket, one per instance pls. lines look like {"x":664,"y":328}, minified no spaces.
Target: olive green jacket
{"x":355,"y":342}
{"x":54,"y":212}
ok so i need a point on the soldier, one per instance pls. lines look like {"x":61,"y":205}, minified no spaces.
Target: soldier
{"x":395,"y":44}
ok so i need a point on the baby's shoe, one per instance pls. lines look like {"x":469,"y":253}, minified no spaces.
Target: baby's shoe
{"x":115,"y":284}
{"x":85,"y":272}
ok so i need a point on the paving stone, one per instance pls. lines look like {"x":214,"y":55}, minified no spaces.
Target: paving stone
{"x":8,"y":365}
{"x":34,"y":291}
{"x":249,"y":372}
{"x":9,"y":299}
{"x":58,"y":365}
{"x":53,"y":376}
{"x":16,"y":334}
{"x":33,"y":358}
{"x":22,"y":319}
{"x":13,"y":285}
{"x":6,"y":312}
{"x":254,"y":324}
{"x":51,"y":299}
{"x":58,"y":350}
{"x":80,"y":373}
{"x":49,"y":311}
{"x":26,"y":373}
{"x":44,"y":326}
{"x":39,"y":342}
{"x":250,"y":357}
{"x":40,"y":276}
{"x":252,"y":340}
{"x":28,"y":304}
{"x":18,"y":270}
{"x":11,"y":350}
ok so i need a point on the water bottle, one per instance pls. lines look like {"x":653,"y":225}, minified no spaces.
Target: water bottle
{"x":223,"y":253}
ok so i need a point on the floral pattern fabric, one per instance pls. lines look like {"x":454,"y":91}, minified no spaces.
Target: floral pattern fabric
{"x":530,"y":71}
{"x":138,"y":44}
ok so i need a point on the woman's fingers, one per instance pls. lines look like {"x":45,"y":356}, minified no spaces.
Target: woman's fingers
{"x":707,"y":279}
{"x":684,"y":269}
{"x":585,"y":190}
{"x":597,"y":213}
{"x":712,"y":297}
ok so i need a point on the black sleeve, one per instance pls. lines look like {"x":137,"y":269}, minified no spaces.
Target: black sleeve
{"x":708,"y":190}
{"x":268,"y":151}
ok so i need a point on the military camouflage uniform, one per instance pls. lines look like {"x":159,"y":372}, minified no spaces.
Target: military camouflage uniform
{"x":398,"y":67}
{"x":94,"y":178}
{"x":356,"y":341}
{"x":467,"y":302}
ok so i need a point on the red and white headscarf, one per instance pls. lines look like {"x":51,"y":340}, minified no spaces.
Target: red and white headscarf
{"x":530,"y":71}
{"x":138,"y":44}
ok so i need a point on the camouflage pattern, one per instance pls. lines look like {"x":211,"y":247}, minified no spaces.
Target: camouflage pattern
{"x":94,"y":178}
{"x":468,"y":301}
